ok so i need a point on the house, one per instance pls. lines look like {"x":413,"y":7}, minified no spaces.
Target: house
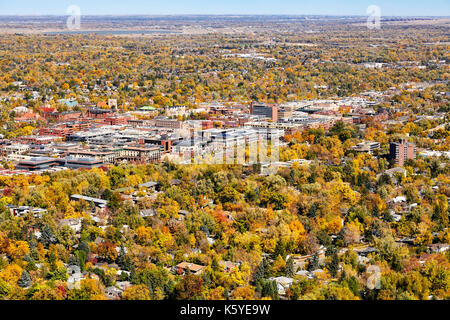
{"x":73,"y":282}
{"x":283,"y":284}
{"x":398,"y":199}
{"x":183,"y":267}
{"x":393,"y":173}
{"x":228,"y":266}
{"x":73,"y":269}
{"x":97,"y":202}
{"x":364,"y":252}
{"x":398,"y":204}
{"x":113,"y":293}
{"x":395,"y":216}
{"x":123,"y":285}
{"x":317,"y":273}
{"x":74,"y":224}
{"x":304,"y":273}
{"x":98,"y":205}
{"x":23,"y":210}
{"x":438,"y":247}
{"x":147,"y":213}
{"x":151,"y":185}
{"x":301,"y":261}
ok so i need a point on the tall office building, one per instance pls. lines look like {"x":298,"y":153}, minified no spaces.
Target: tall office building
{"x":402,"y":151}
{"x":268,"y":111}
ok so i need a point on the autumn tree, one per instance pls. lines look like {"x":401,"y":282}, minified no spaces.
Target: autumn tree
{"x":136,"y":292}
{"x":190,"y":287}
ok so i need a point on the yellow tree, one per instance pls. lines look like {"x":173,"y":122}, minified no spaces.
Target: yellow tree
{"x":243,"y":293}
{"x":139,"y":292}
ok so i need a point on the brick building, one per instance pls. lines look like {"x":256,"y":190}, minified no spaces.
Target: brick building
{"x":401,"y":151}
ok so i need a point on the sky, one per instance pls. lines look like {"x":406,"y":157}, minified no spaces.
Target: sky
{"x":174,"y":7}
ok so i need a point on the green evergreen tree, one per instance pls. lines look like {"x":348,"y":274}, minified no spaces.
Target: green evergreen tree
{"x":47,"y":236}
{"x":314,"y":262}
{"x":85,"y":247}
{"x":25,"y":280}
{"x":289,"y":269}
{"x":260,"y":271}
{"x":274,"y":290}
{"x":215,"y":264}
{"x":226,"y":294}
{"x":312,"y":213}
{"x":333,"y":266}
{"x":280,"y":249}
{"x":81,"y":255}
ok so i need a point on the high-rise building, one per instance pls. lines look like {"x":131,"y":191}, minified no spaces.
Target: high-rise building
{"x":402,"y":151}
{"x":268,"y":111}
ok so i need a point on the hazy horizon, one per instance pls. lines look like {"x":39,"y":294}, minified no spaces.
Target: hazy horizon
{"x":221,"y":15}
{"x":401,"y":8}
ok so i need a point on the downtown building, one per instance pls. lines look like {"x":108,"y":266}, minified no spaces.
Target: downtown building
{"x":401,"y":151}
{"x":265,"y":111}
